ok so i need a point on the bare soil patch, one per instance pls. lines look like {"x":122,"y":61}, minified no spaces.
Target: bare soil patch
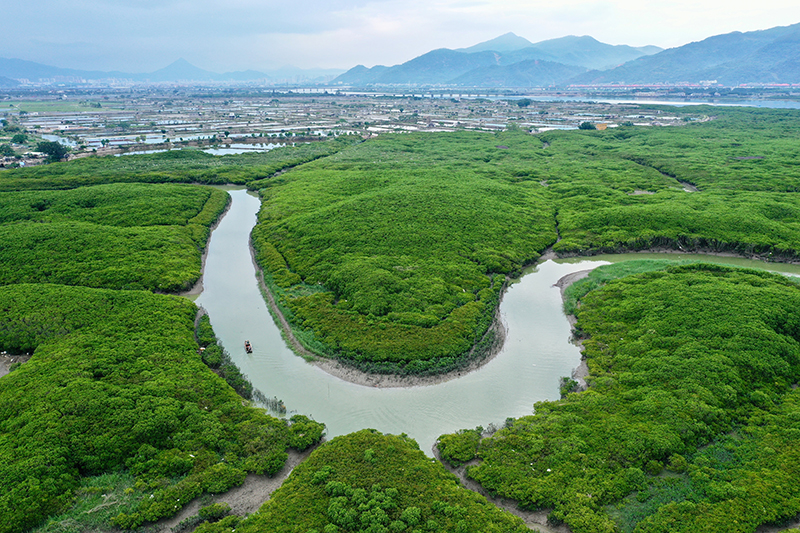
{"x":7,"y":360}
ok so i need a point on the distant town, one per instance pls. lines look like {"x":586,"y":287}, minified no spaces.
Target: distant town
{"x":225,"y":121}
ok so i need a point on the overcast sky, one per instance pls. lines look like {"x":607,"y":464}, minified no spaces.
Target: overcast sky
{"x":145,"y":35}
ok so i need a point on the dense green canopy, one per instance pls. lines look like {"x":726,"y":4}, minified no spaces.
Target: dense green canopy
{"x":118,"y":236}
{"x":692,"y":408}
{"x":116,"y":382}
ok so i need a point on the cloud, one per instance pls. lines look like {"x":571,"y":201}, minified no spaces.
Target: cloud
{"x":144,"y":35}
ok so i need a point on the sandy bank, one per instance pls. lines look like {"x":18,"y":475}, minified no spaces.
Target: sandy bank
{"x":582,"y":371}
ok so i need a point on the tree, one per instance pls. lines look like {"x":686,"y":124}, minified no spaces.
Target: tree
{"x":19,"y":138}
{"x":55,"y":151}
{"x":524,"y":102}
{"x":587,"y":126}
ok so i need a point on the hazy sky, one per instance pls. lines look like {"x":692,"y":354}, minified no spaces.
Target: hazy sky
{"x":145,"y":35}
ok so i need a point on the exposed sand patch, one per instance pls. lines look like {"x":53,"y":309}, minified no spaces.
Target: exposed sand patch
{"x":580,"y":373}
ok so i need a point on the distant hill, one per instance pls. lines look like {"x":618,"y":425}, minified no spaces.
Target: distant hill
{"x":20,"y":69}
{"x":505,"y":43}
{"x":766,"y":56}
{"x":495,"y":58}
{"x":588,"y":52}
{"x":178,"y":71}
{"x":435,"y":67}
{"x":181,"y":70}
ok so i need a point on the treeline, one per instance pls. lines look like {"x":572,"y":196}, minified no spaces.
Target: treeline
{"x":116,"y":382}
{"x":119,"y":236}
{"x":182,"y":166}
{"x":368,"y":482}
{"x":690,"y":422}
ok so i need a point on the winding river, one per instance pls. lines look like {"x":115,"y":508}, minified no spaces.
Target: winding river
{"x":537,"y":351}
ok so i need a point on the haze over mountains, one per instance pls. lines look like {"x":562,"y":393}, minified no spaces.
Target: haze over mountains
{"x":760,"y":57}
{"x":178,"y":71}
{"x":767,"y":56}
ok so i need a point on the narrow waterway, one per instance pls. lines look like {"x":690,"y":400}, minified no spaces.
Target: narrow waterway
{"x":537,"y":351}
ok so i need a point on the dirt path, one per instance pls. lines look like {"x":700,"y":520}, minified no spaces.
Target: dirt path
{"x":245,"y":499}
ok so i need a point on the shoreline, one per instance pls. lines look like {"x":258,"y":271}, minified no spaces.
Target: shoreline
{"x":581,"y":372}
{"x":679,"y":251}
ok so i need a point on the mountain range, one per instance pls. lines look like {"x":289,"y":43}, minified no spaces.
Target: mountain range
{"x":758,"y":57}
{"x":766,"y":56}
{"x":769,"y":56}
{"x":508,"y":60}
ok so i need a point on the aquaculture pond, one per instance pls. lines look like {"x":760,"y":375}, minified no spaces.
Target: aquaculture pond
{"x":536,"y":353}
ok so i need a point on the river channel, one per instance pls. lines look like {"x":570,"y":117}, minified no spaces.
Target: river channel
{"x":537,"y":351}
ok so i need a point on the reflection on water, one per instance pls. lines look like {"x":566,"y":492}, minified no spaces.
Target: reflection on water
{"x":536,"y":354}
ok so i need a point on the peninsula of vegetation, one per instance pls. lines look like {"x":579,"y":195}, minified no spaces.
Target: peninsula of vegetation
{"x":392,"y":255}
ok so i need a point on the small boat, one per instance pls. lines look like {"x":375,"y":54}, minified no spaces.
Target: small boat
{"x":247,"y":347}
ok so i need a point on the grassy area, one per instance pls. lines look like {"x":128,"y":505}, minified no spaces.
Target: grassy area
{"x":121,"y":236}
{"x":54,"y":106}
{"x":181,"y":166}
{"x":407,"y":233}
{"x":690,"y":421}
